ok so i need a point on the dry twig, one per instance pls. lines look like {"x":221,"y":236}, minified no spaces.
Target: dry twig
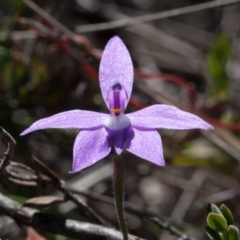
{"x":66,"y":227}
{"x":34,"y":178}
{"x":41,"y":12}
{"x":167,"y":227}
{"x":10,"y":150}
{"x":50,"y":178}
{"x":152,"y":17}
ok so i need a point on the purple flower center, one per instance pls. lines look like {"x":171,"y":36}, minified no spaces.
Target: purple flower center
{"x":117,"y":124}
{"x":117,"y":98}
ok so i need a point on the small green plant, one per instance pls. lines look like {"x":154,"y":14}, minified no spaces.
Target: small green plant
{"x":217,"y":59}
{"x":220,"y":224}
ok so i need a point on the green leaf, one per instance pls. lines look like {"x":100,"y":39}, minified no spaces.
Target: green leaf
{"x":18,"y":199}
{"x":222,"y":236}
{"x":232,"y":233}
{"x":227,"y":214}
{"x":217,"y":222}
{"x":215,"y":209}
{"x":59,"y":237}
{"x":16,"y":6}
{"x":4,"y":51}
{"x":212,"y":234}
{"x":217,"y":59}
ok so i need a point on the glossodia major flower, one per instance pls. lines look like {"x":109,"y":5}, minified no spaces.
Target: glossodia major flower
{"x":135,"y":132}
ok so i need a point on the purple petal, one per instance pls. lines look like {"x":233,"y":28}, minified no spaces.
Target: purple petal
{"x":115,"y":67}
{"x":75,"y":119}
{"x":117,"y":128}
{"x":90,"y":146}
{"x":168,"y":117}
{"x":146,"y":144}
{"x":118,"y":138}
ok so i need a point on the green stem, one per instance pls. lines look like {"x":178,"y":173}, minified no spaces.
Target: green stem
{"x":118,"y":177}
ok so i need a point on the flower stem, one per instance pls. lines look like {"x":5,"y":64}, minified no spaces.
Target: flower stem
{"x":118,"y":177}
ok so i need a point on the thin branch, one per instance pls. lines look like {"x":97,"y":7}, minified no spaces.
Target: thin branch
{"x":127,"y":206}
{"x":37,"y":26}
{"x":59,"y":36}
{"x":61,"y":186}
{"x":152,"y":17}
{"x":16,"y":35}
{"x":10,"y":150}
{"x":37,"y":179}
{"x":80,"y":40}
{"x":144,"y":214}
{"x":169,"y":228}
{"x":188,"y":195}
{"x":45,"y":15}
{"x":66,"y":227}
{"x":42,"y":180}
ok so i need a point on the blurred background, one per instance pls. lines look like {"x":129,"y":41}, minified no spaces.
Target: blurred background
{"x":190,"y":61}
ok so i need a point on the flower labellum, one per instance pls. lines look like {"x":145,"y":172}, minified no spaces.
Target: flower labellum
{"x":135,"y":132}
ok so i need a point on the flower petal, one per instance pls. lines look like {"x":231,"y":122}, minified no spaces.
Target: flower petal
{"x":90,"y":146}
{"x":146,"y":144}
{"x":168,"y":117}
{"x":74,"y":119}
{"x":118,"y":138}
{"x":115,"y":67}
{"x":117,"y":128}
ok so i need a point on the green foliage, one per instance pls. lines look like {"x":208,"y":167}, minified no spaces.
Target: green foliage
{"x":59,"y":237}
{"x":227,"y":214}
{"x":16,"y":6}
{"x":212,"y":234}
{"x":18,"y":199}
{"x":217,"y":59}
{"x":217,"y":222}
{"x":220,"y":224}
{"x":232,"y":233}
{"x":215,"y":209}
{"x":3,"y":51}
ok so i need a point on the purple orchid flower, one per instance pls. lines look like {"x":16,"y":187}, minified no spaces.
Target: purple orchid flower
{"x":135,"y":132}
